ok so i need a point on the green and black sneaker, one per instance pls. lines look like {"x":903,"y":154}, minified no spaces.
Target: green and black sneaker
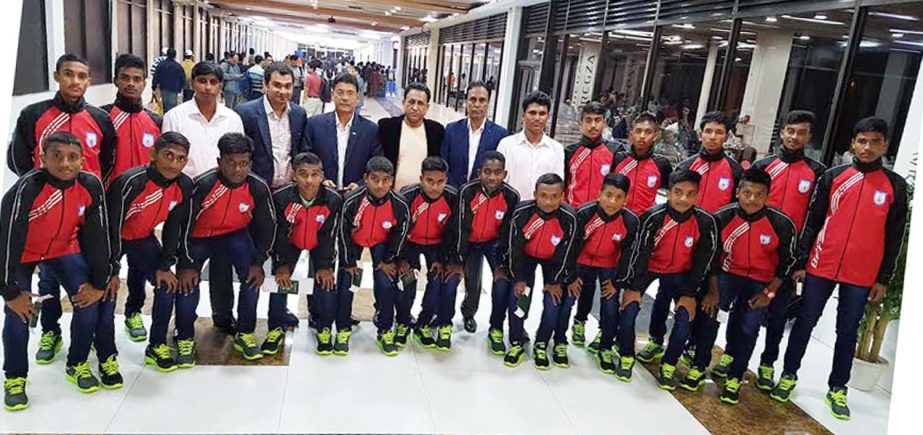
{"x":559,"y":357}
{"x":723,"y":367}
{"x":109,"y":376}
{"x":274,"y":343}
{"x":444,"y":338}
{"x":836,"y":400}
{"x":514,"y":356}
{"x":606,"y":360}
{"x":594,"y":345}
{"x":687,"y":357}
{"x":385,"y":342}
{"x":341,"y":347}
{"x":185,"y":354}
{"x":324,"y":342}
{"x":159,"y":356}
{"x":783,"y":390}
{"x":731,"y":393}
{"x":495,"y":342}
{"x":423,"y":335}
{"x":624,"y":369}
{"x":81,"y":376}
{"x":694,"y":380}
{"x":578,"y":333}
{"x":765,"y":378}
{"x":666,"y":380}
{"x":540,"y":356}
{"x":48,"y":347}
{"x":652,"y":350}
{"x":245,"y":343}
{"x":14,"y":394}
{"x":134,"y":327}
{"x":400,"y":338}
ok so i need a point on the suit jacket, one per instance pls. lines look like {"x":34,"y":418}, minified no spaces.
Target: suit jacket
{"x":389,"y":131}
{"x":256,"y":127}
{"x":321,"y":135}
{"x":454,"y":148}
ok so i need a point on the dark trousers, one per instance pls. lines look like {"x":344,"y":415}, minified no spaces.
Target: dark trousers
{"x":296,"y":95}
{"x":551,"y":312}
{"x":143,"y":261}
{"x":342,"y":304}
{"x":776,"y":317}
{"x":474,"y":265}
{"x":72,"y":271}
{"x":669,"y":291}
{"x":743,"y":322}
{"x":608,"y":308}
{"x":51,"y":308}
{"x":849,"y":312}
{"x":169,"y":99}
{"x":235,"y":249}
{"x":221,"y":289}
{"x":591,"y":286}
{"x":439,"y":295}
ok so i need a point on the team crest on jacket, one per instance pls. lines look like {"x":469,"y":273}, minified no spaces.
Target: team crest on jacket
{"x":804,"y":186}
{"x":765,"y":239}
{"x":880,"y":197}
{"x":91,"y":139}
{"x":617,"y":237}
{"x":82,"y":209}
{"x":320,"y":219}
{"x":387,"y":225}
{"x":243,"y":207}
{"x":605,"y":169}
{"x":441,"y":217}
{"x":499,"y":214}
{"x":651,"y":180}
{"x":724,"y":183}
{"x":555,"y":240}
{"x":689,"y":241}
{"x":147,"y":140}
{"x":172,"y":204}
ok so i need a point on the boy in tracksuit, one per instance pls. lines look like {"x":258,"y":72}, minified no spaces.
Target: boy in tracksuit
{"x":307,"y":215}
{"x":432,"y":234}
{"x":605,"y":239}
{"x":851,"y":239}
{"x":377,"y":218}
{"x":56,"y":216}
{"x":484,"y":207}
{"x":67,"y":112}
{"x":541,"y":232}
{"x":794,"y":176}
{"x":756,"y":256}
{"x":677,"y":242}
{"x":137,"y":130}
{"x":231,"y":215}
{"x":139,"y":200}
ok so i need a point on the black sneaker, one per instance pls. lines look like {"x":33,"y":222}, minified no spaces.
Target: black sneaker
{"x":471,"y":325}
{"x":606,"y":361}
{"x":783,"y":390}
{"x":765,"y":376}
{"x":423,"y":335}
{"x":666,"y":379}
{"x":353,"y":321}
{"x":514,"y":356}
{"x":385,"y":342}
{"x":652,"y":350}
{"x":624,"y":369}
{"x":540,"y":356}
{"x":81,"y":376}
{"x":14,"y":394}
{"x":687,"y":357}
{"x":444,"y":338}
{"x":400,"y":337}
{"x":721,"y":369}
{"x":341,"y":347}
{"x":185,"y":354}
{"x":245,"y":343}
{"x":559,"y":356}
{"x":578,"y":333}
{"x":495,"y":342}
{"x":731,"y":393}
{"x":324,"y":342}
{"x":836,"y":400}
{"x":275,"y":342}
{"x":594,"y":345}
{"x":694,"y":380}
{"x":159,"y":356}
{"x":291,"y":320}
{"x":227,"y":326}
{"x":48,"y":347}
{"x":109,"y":376}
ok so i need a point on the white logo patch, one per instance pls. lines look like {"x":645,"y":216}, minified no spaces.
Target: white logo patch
{"x":605,"y":169}
{"x":81,"y":210}
{"x":387,"y":225}
{"x":724,"y":183}
{"x":765,"y":239}
{"x":499,"y":214}
{"x":91,"y":139}
{"x":320,"y":218}
{"x":243,"y":207}
{"x":147,"y":140}
{"x":172,"y":204}
{"x":804,"y":186}
{"x":441,"y":217}
{"x":555,"y":240}
{"x":651,"y":180}
{"x":880,"y":197}
{"x":689,"y":241}
{"x":617,"y":237}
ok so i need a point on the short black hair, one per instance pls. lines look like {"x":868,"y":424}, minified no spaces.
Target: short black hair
{"x":683,"y":175}
{"x":207,"y":69}
{"x":617,"y":181}
{"x":549,"y":179}
{"x":872,"y":124}
{"x":536,"y":97}
{"x":645,"y":117}
{"x":171,"y":53}
{"x":69,"y":57}
{"x":234,"y":143}
{"x":592,"y":108}
{"x":477,"y":84}
{"x":717,"y":117}
{"x":379,"y":164}
{"x":171,"y":137}
{"x":495,"y":156}
{"x":277,"y":67}
{"x":61,"y":138}
{"x":417,"y":86}
{"x":434,"y":163}
{"x":799,"y":117}
{"x":345,"y":78}
{"x":306,"y":158}
{"x":757,"y":176}
{"x":129,"y":60}
{"x":257,"y":59}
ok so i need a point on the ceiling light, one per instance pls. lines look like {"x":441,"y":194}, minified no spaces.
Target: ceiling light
{"x":804,"y":38}
{"x":692,"y":47}
{"x":771,"y":19}
{"x":405,"y":27}
{"x":684,"y":26}
{"x":897,"y":35}
{"x":428,"y":19}
{"x":814,"y":20}
{"x":820,"y":17}
{"x":918,"y":44}
{"x":397,"y":8}
{"x":894,"y":16}
{"x":910,"y":32}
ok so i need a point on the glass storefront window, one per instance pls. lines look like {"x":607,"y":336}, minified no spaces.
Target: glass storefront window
{"x":579,"y":69}
{"x":492,"y":72}
{"x":528,"y":69}
{"x":621,"y":74}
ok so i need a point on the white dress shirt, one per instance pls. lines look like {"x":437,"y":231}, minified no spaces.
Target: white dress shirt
{"x":342,"y":142}
{"x":474,"y":141}
{"x":281,"y":136}
{"x":526,"y":162}
{"x":410,"y":159}
{"x":202,"y":134}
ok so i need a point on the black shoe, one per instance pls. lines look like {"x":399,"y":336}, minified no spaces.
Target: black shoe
{"x":109,"y":376}
{"x":227,"y":326}
{"x":353,"y":321}
{"x":275,"y":341}
{"x":471,"y":325}
{"x":540,"y":356}
{"x":291,"y":320}
{"x":312,"y":323}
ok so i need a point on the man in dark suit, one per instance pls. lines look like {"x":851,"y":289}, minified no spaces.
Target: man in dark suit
{"x":409,"y":138}
{"x":343,"y":139}
{"x":463,"y":146}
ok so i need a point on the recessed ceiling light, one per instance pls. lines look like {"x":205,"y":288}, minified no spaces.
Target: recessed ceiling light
{"x":894,"y":16}
{"x":804,"y":37}
{"x":771,"y":19}
{"x":397,"y":8}
{"x":820,"y":17}
{"x":897,"y":35}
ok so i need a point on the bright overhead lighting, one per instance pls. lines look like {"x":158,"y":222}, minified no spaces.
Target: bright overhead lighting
{"x":692,"y":47}
{"x":894,"y":16}
{"x":388,"y":13}
{"x":771,"y":19}
{"x":635,"y":33}
{"x":405,"y":27}
{"x":868,"y":44}
{"x":804,"y":38}
{"x":428,"y":19}
{"x":397,"y":8}
{"x":814,"y":20}
{"x":717,"y":38}
{"x":684,"y":26}
{"x":897,"y":35}
{"x":917,"y":44}
{"x":820,"y":17}
{"x":909,"y":32}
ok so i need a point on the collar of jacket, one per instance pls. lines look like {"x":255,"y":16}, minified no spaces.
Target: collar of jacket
{"x":590,"y":143}
{"x":126,"y":105}
{"x":680,"y":217}
{"x":705,"y":155}
{"x":319,"y":199}
{"x":377,"y":201}
{"x":867,"y":167}
{"x":154,"y":175}
{"x":789,"y":156}
{"x":490,"y":195}
{"x":78,"y":106}
{"x":636,"y":156}
{"x":750,"y":217}
{"x":546,"y":216}
{"x":228,"y":183}
{"x":57,"y":182}
{"x":606,"y":218}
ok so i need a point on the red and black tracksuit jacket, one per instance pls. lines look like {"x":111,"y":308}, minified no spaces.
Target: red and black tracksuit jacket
{"x":136,"y":130}
{"x":140,"y":200}
{"x":647,"y":174}
{"x":482,"y":215}
{"x":432,"y":221}
{"x":586,"y":163}
{"x":366,"y":221}
{"x":605,"y":241}
{"x":719,"y":174}
{"x":220,"y":207}
{"x":42,"y":218}
{"x":672,"y":242}
{"x":545,"y":237}
{"x":793,"y":179}
{"x":303,"y":226}
{"x":38,"y":121}
{"x":855,"y":225}
{"x":759,"y":247}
